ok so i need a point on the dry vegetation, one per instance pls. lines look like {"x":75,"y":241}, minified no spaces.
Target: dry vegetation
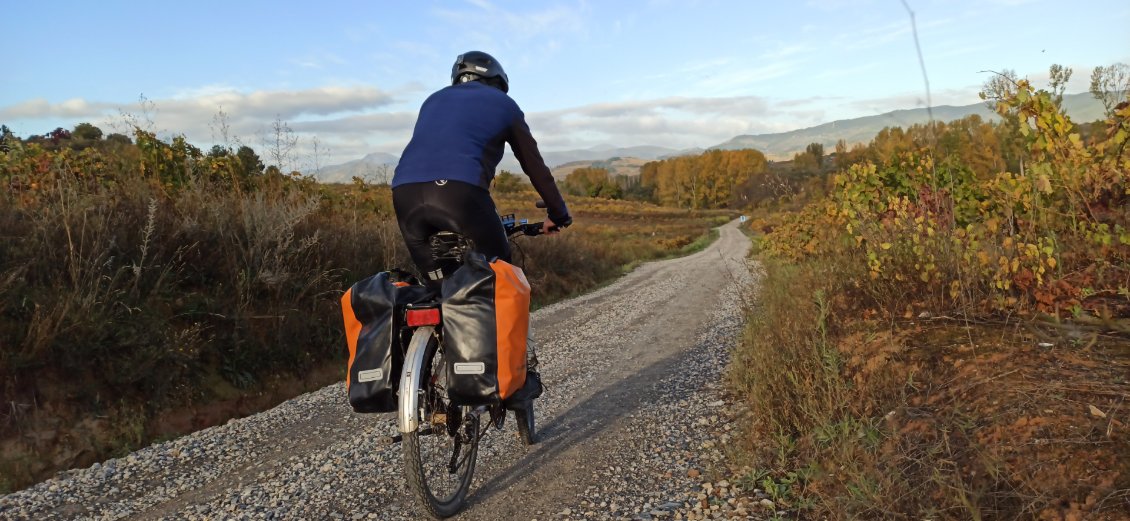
{"x":148,"y":289}
{"x":936,"y":340}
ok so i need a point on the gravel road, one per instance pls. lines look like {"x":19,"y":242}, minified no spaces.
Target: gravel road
{"x":632,"y":426}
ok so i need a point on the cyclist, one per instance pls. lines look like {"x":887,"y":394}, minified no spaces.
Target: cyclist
{"x":443,"y":179}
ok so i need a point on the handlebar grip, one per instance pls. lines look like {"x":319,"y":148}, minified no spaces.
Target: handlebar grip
{"x":540,"y":204}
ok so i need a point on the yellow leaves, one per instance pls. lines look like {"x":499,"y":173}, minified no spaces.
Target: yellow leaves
{"x":1076,"y":141}
{"x":1051,"y":262}
{"x":1044,"y":184}
{"x":885,"y":245}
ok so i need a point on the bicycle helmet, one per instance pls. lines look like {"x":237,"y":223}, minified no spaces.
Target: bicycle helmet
{"x":478,"y":65}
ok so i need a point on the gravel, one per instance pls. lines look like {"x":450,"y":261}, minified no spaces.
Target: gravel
{"x":634,"y":425}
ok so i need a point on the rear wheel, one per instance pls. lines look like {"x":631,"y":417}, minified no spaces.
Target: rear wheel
{"x":439,"y":455}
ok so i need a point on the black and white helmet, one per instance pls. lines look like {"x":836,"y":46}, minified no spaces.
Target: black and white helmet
{"x":478,"y":65}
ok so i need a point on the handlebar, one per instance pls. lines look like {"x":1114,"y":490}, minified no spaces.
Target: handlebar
{"x":514,"y":226}
{"x":523,"y":227}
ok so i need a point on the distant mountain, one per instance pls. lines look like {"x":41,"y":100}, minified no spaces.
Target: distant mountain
{"x":560,"y":158}
{"x":614,"y":165}
{"x":782,"y":146}
{"x":376,"y":167}
{"x":379,"y":166}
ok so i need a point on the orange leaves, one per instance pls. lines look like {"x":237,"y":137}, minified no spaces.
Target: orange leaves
{"x":926,"y":227}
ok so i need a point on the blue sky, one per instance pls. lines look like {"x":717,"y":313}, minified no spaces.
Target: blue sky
{"x":679,"y":74}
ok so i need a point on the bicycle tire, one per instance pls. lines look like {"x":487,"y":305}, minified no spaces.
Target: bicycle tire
{"x":524,"y":417}
{"x":429,"y":450}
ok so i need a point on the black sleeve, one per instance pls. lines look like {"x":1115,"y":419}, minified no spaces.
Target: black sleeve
{"x":526,"y":150}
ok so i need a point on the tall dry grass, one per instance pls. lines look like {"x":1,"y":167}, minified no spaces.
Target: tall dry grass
{"x":144,"y":279}
{"x":124,"y":294}
{"x":863,"y":408}
{"x":817,"y":423}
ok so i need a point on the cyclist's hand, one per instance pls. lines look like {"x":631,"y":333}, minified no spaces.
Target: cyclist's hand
{"x":550,"y":227}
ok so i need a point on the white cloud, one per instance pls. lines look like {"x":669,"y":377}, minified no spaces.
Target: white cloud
{"x":41,"y":108}
{"x":675,"y":122}
{"x":386,"y":122}
{"x":334,"y":111}
{"x":352,"y":122}
{"x":287,"y":104}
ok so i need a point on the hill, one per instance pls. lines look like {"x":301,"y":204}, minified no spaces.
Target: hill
{"x":782,"y":145}
{"x":615,"y":166}
{"x":777,"y":146}
{"x":375,"y":167}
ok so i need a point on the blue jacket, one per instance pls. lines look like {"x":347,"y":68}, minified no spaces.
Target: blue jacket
{"x":460,"y":135}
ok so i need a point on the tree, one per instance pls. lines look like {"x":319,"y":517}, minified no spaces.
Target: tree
{"x":280,"y":143}
{"x":6,"y":139}
{"x":249,"y":161}
{"x":218,"y":151}
{"x":86,"y":132}
{"x":816,"y":150}
{"x":1110,"y":85}
{"x":805,"y":163}
{"x":119,"y":139}
{"x":506,"y":182}
{"x":57,"y":135}
{"x":999,"y":86}
{"x":593,"y":182}
{"x":1059,"y":76}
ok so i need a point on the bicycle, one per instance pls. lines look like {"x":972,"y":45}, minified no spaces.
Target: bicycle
{"x":440,"y":440}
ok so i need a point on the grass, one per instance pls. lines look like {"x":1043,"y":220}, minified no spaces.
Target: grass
{"x":925,"y":417}
{"x":128,"y":295}
{"x":949,"y":353}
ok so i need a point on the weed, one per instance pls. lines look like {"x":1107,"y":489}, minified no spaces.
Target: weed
{"x":150,"y":273}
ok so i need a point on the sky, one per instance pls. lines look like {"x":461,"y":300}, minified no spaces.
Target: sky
{"x":350,"y":76}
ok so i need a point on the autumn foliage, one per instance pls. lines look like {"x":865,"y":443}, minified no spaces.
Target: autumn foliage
{"x":943,"y":335}
{"x":714,"y":179}
{"x":143,"y":278}
{"x":953,"y":237}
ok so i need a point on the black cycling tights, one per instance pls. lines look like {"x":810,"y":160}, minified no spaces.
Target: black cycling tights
{"x":423,"y":209}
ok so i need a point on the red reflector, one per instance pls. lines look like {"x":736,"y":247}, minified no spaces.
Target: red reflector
{"x":423,"y":317}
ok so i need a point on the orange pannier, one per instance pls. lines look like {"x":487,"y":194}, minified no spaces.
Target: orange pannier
{"x":486,"y":320}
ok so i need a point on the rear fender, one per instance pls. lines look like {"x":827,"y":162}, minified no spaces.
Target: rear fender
{"x":410,"y":379}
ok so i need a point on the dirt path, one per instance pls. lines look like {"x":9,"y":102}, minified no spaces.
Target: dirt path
{"x":610,"y":359}
{"x":648,"y":350}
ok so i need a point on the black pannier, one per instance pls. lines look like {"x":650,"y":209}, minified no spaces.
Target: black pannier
{"x":373,"y":310}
